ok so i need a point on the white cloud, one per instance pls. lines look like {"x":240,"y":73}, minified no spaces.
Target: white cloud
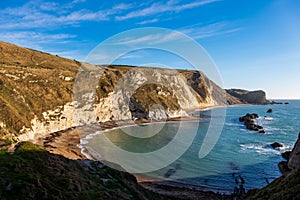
{"x":138,"y":40}
{"x":199,"y":31}
{"x":35,"y":40}
{"x":49,"y":6}
{"x":148,"y":21}
{"x":158,"y":8}
{"x":38,"y":15}
{"x":78,"y":1}
{"x":151,"y":39}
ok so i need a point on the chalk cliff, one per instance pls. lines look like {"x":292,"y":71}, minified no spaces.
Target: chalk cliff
{"x":43,"y":93}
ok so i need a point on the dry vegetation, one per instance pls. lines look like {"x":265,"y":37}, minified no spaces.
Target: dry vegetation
{"x":31,"y":82}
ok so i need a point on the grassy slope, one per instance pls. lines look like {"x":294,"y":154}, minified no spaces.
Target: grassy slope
{"x":30,"y":83}
{"x":33,"y":173}
{"x":287,"y":187}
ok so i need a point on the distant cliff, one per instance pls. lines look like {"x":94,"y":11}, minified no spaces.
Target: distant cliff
{"x":39,"y":93}
{"x":251,"y":97}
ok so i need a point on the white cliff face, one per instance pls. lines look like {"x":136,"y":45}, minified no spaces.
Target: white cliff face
{"x":53,"y":120}
{"x":115,"y":106}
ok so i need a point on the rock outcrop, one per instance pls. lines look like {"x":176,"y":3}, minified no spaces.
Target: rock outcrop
{"x":250,"y":124}
{"x":251,"y":97}
{"x":276,"y":145}
{"x":269,"y":110}
{"x":294,"y":158}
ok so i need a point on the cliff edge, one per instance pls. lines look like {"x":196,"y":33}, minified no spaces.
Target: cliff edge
{"x":251,"y":97}
{"x":42,"y":93}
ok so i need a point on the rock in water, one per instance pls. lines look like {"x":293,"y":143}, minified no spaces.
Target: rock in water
{"x":270,"y":111}
{"x":248,"y":120}
{"x":276,"y":145}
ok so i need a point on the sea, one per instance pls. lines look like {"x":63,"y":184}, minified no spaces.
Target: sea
{"x":217,"y":156}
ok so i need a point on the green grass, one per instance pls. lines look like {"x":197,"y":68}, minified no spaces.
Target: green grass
{"x":33,"y":173}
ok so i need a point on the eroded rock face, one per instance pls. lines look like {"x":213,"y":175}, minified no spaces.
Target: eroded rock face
{"x":252,"y":97}
{"x":294,"y":158}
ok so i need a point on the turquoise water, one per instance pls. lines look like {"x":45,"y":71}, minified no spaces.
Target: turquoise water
{"x":238,"y":151}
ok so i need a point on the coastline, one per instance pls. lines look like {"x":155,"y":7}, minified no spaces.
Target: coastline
{"x":68,"y":144}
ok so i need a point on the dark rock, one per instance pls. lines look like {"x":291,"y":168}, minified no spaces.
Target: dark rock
{"x":169,"y":173}
{"x":274,"y":102}
{"x":294,"y":159}
{"x":269,"y":111}
{"x":248,"y":116}
{"x":286,"y":155}
{"x":262,"y":131}
{"x":286,"y":103}
{"x":283,"y":167}
{"x":276,"y":145}
{"x":248,"y":120}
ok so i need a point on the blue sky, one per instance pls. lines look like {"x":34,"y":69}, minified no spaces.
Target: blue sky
{"x":255,"y":44}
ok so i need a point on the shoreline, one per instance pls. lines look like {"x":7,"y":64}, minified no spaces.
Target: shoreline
{"x":68,"y":144}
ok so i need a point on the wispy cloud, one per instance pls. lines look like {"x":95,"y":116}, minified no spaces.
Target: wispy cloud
{"x":205,"y":31}
{"x":37,"y":15}
{"x":151,"y":39}
{"x":78,"y":1}
{"x":197,"y":31}
{"x":35,"y":40}
{"x":148,"y":21}
{"x":158,"y":8}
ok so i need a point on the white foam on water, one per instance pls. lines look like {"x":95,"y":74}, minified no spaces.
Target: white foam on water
{"x":263,"y":149}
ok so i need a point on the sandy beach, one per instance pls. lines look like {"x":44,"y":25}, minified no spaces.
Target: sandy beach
{"x":66,"y":143}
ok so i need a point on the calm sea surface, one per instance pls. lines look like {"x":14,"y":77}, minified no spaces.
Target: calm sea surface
{"x":240,"y":156}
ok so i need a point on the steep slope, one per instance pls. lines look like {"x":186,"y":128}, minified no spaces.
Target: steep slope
{"x":41,"y":93}
{"x":33,"y":173}
{"x":31,"y":83}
